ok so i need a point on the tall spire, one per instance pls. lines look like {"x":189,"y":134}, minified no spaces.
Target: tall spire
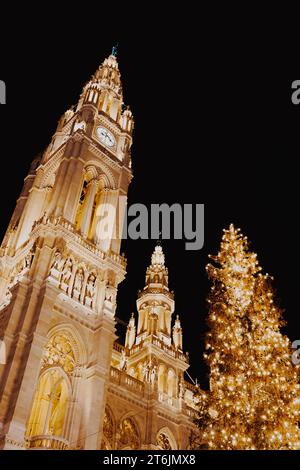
{"x":103,"y":93}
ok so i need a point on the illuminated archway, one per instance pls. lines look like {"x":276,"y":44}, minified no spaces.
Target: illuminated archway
{"x":48,"y":412}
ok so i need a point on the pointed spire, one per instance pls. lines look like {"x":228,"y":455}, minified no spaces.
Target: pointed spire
{"x":104,"y":93}
{"x":108,"y":75}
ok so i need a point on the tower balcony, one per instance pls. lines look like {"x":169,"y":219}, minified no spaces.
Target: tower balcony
{"x":127,"y":381}
{"x":151,"y":339}
{"x":70,"y":232}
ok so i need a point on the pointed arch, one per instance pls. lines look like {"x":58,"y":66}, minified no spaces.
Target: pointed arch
{"x":49,"y":408}
{"x":103,"y":172}
{"x":78,"y":346}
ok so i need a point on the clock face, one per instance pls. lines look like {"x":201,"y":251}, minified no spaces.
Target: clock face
{"x":105,"y":137}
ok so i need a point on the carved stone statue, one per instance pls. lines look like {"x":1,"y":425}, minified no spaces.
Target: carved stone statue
{"x":153,"y":375}
{"x":146,"y":372}
{"x":110,"y":294}
{"x":90,"y":287}
{"x":79,"y":125}
{"x":181,"y":389}
{"x":123,"y":361}
{"x":149,"y":372}
{"x":57,"y":265}
{"x":28,"y":259}
{"x":67,"y":273}
{"x":78,"y":280}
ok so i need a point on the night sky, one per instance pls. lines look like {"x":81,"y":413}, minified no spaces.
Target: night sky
{"x":214,"y":124}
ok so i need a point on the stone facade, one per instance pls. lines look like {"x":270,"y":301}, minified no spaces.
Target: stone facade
{"x":66,"y":382}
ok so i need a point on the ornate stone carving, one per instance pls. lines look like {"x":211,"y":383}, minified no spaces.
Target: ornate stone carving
{"x":20,"y":269}
{"x":59,"y":352}
{"x":57,"y":265}
{"x":78,"y":283}
{"x":66,"y":274}
{"x":149,"y":371}
{"x":110,"y":294}
{"x":181,"y":389}
{"x":69,"y":275}
{"x":163,"y":441}
{"x":90,"y":290}
{"x":123,"y":360}
{"x":79,"y":125}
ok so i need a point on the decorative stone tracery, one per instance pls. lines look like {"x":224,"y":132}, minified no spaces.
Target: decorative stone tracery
{"x":163,"y":441}
{"x":59,"y":352}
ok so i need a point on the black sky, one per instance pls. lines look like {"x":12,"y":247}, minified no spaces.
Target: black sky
{"x":214,"y":124}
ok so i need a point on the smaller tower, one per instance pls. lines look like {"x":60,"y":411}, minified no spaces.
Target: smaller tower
{"x":147,"y":375}
{"x":154,"y":354}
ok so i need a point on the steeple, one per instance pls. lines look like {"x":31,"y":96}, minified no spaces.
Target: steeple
{"x":155,"y":302}
{"x":104,"y":92}
{"x":154,"y":355}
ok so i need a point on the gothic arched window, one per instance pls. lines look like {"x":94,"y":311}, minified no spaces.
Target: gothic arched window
{"x":48,"y":412}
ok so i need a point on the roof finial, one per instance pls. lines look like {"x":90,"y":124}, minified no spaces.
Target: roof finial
{"x":158,"y":242}
{"x":114,"y":50}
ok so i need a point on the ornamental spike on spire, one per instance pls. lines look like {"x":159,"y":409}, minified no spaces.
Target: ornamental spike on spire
{"x":114,"y":50}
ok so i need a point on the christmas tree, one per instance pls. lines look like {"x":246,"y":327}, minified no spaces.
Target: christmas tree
{"x":254,"y":398}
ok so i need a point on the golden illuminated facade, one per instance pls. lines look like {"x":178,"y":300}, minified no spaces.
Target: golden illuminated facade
{"x":67,"y":383}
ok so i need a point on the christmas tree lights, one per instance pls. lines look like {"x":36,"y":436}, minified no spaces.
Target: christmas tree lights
{"x":254,"y":397}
